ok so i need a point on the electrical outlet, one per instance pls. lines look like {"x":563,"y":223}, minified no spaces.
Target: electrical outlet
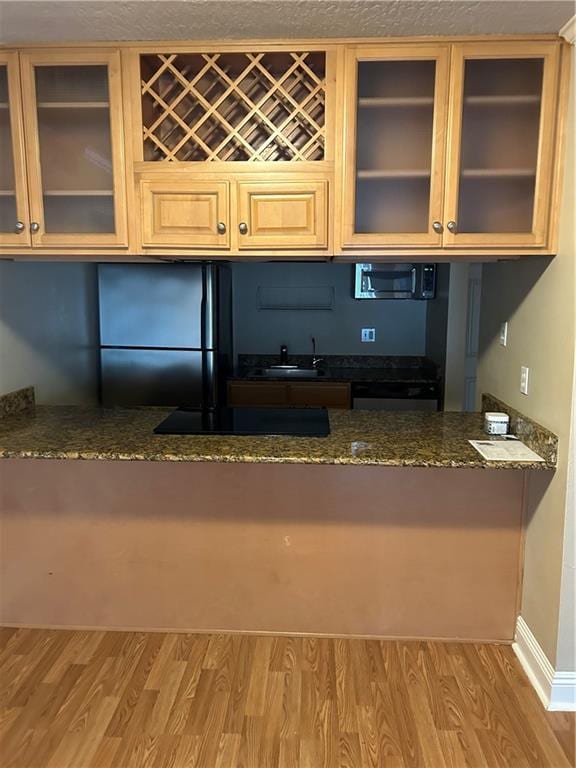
{"x":368,"y":334}
{"x":504,"y":334}
{"x":524,"y":371}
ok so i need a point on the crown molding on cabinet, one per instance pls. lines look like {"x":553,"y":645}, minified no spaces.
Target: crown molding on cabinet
{"x":568,"y":31}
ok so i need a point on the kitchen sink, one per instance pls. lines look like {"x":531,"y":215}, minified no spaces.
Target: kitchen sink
{"x":292,"y":372}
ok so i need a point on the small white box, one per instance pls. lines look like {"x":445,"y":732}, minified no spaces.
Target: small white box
{"x":496,"y":423}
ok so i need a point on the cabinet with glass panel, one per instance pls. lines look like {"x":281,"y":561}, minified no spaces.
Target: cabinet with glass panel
{"x":13,"y":194}
{"x":450,"y":159}
{"x":72,"y":187}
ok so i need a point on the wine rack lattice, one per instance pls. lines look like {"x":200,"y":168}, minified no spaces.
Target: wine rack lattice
{"x":233,"y":106}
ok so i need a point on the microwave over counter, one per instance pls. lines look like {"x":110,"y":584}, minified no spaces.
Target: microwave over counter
{"x":394,"y":281}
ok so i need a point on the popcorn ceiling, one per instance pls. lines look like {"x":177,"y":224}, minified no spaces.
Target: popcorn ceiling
{"x":64,"y":20}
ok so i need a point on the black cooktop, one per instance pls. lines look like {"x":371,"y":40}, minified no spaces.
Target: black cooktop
{"x":298,"y":422}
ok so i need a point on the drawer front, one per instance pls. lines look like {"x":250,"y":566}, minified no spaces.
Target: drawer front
{"x":277,"y":214}
{"x":317,"y":395}
{"x":257,"y":394}
{"x":185,"y":214}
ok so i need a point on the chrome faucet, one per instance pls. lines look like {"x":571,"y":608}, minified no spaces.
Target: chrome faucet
{"x":315,"y":360}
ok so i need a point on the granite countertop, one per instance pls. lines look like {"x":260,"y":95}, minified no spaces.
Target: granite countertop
{"x":342,"y":368}
{"x":397,"y":439}
{"x":388,"y":375}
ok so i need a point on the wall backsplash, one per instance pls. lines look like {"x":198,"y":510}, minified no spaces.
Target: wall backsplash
{"x":400,"y":325}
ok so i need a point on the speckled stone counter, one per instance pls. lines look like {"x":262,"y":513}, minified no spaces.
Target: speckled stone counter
{"x":394,"y":439}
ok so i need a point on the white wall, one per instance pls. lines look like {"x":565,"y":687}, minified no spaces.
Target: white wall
{"x":49,"y":331}
{"x":400,"y":325}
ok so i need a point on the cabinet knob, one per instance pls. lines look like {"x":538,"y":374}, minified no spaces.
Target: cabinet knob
{"x":221,"y":228}
{"x":437,"y":227}
{"x":451,"y":226}
{"x":34,"y":227}
{"x":243,"y":227}
{"x":19,"y":228}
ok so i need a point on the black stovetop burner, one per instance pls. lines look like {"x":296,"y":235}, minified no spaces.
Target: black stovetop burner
{"x":297,"y":422}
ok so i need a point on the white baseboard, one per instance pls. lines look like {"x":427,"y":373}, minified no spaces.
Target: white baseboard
{"x":557,"y":690}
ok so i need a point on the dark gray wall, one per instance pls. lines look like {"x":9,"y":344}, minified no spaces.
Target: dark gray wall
{"x":400,"y":325}
{"x":49,"y":331}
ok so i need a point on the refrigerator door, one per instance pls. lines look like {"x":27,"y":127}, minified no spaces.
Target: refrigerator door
{"x":152,"y":377}
{"x":151,"y":305}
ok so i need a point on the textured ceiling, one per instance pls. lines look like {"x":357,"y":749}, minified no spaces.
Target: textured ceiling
{"x":66,"y":20}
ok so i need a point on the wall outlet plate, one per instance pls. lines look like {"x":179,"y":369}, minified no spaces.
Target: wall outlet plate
{"x":504,"y":334}
{"x":368,"y":334}
{"x":524,"y":372}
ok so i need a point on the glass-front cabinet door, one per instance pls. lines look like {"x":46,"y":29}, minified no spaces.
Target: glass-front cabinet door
{"x":396,"y":110}
{"x":500,"y":158}
{"x":14,"y":219}
{"x":74,"y":133}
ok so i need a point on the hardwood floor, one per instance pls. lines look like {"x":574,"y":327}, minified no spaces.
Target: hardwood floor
{"x":125,"y":700}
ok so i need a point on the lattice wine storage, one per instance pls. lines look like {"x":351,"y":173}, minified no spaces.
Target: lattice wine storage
{"x":266,"y":106}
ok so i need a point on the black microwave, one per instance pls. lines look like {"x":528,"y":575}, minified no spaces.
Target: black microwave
{"x":394,"y":281}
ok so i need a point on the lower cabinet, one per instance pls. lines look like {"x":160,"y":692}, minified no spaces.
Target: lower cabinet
{"x":296,"y":394}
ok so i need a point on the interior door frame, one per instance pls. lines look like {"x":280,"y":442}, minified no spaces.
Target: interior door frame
{"x":440,"y":53}
{"x":461,"y":52}
{"x":10,"y":60}
{"x":110,"y":58}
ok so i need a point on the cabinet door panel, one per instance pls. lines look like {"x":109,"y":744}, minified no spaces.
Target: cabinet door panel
{"x":75,"y":143}
{"x":503,"y":99}
{"x":320,"y":394}
{"x":185,"y":214}
{"x":257,"y":394}
{"x":14,"y":217}
{"x":395,"y":118}
{"x":283,"y":214}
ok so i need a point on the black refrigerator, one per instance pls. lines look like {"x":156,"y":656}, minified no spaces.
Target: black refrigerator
{"x":165,"y":334}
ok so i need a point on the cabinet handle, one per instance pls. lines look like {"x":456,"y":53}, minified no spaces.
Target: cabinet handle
{"x":437,"y":227}
{"x":221,"y":228}
{"x":19,"y":228}
{"x":451,"y":226}
{"x":34,"y":227}
{"x":243,"y":227}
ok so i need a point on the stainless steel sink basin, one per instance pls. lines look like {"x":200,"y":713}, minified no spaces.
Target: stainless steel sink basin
{"x":292,"y":372}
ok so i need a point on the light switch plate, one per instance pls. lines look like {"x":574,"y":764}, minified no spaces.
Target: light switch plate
{"x":368,"y":334}
{"x":524,"y":371}
{"x":504,"y":334}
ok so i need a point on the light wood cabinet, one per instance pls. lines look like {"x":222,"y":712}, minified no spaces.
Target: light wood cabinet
{"x":461,"y":159}
{"x":62,"y":170}
{"x":197,"y":214}
{"x":183,"y":213}
{"x":283,"y":214}
{"x":502,"y":149}
{"x":395,"y":134}
{"x":14,"y":217}
{"x":237,"y":103}
{"x":308,"y":149}
{"x":74,"y":148}
{"x":295,"y":394}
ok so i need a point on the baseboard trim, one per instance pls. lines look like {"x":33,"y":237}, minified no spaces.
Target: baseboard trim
{"x":556,"y":690}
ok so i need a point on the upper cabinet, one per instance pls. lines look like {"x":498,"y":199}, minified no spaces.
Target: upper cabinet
{"x":502,"y":148}
{"x":395,"y":136}
{"x":434,"y":148}
{"x":74,"y":148}
{"x":233,"y":106}
{"x":460,"y":159}
{"x":259,"y":122}
{"x":14,"y":218}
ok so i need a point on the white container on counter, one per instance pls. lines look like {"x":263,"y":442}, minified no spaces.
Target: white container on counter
{"x":496,"y":423}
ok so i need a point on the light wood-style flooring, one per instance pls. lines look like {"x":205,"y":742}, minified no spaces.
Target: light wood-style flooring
{"x":131,"y":699}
